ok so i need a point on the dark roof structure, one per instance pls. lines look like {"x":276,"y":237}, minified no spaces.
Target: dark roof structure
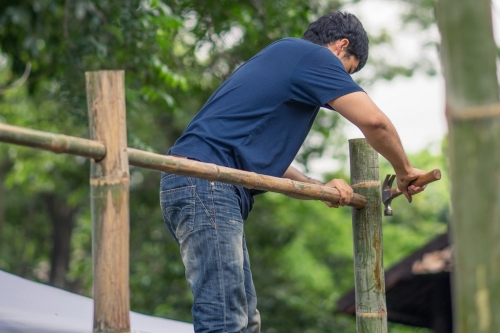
{"x":418,"y":289}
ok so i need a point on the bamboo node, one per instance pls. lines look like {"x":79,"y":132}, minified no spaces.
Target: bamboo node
{"x":259,"y":180}
{"x":366,"y":184}
{"x":381,"y":313}
{"x":107,"y":181}
{"x":474,"y":112}
{"x":61,"y":145}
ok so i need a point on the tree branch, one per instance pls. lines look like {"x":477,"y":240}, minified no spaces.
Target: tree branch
{"x":19,"y":82}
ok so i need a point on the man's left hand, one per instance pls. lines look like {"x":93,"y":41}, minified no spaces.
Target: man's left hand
{"x":346,"y":192}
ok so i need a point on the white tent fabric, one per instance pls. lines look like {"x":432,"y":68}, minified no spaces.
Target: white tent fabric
{"x":28,"y":307}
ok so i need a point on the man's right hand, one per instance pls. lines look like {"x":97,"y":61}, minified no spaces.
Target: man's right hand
{"x":404,"y":183}
{"x":380,"y":133}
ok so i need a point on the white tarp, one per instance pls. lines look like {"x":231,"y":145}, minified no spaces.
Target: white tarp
{"x":28,"y":307}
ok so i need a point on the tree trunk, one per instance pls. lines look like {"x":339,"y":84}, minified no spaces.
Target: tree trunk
{"x":62,"y":218}
{"x":468,"y":55}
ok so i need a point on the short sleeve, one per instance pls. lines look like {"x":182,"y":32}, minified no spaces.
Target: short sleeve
{"x":320,"y":77}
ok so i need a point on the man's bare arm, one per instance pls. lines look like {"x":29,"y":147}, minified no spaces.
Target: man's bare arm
{"x":380,"y":133}
{"x":294,"y":174}
{"x":344,"y":189}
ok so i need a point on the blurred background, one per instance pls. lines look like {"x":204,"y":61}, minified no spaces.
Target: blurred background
{"x":175,"y":54}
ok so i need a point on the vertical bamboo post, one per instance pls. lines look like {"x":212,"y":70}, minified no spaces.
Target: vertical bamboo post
{"x":109,"y":194}
{"x":371,"y":313}
{"x":469,"y":61}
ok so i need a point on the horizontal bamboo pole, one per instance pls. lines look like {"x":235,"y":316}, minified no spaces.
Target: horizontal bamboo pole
{"x":251,"y":180}
{"x":57,"y":143}
{"x":88,"y":148}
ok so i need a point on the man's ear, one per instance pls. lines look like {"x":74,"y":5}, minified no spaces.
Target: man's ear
{"x":339,"y":46}
{"x":343,"y":44}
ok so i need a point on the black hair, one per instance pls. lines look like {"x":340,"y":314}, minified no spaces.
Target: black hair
{"x":338,"y":25}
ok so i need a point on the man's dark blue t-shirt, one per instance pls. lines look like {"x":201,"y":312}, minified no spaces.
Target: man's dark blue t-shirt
{"x":260,"y":116}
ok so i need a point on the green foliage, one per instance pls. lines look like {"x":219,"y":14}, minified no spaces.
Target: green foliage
{"x":420,"y":12}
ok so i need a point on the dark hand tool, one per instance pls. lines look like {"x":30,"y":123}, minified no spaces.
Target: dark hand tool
{"x":389,"y":193}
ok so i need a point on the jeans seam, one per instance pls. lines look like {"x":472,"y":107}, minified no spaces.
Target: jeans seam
{"x":219,"y":254}
{"x":213,"y":206}
{"x":212,"y":219}
{"x":177,"y":189}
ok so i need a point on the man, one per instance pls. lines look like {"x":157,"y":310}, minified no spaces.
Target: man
{"x":256,"y":121}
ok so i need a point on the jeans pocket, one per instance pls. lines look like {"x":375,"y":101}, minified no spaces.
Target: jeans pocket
{"x":227,"y":204}
{"x":178,"y":207}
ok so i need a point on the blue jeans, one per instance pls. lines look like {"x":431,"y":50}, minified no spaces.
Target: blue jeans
{"x":204,"y":218}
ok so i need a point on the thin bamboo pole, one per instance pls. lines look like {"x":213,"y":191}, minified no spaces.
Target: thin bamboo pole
{"x":169,"y":164}
{"x":238,"y":177}
{"x":469,"y":57}
{"x":371,"y":311}
{"x":109,"y":185}
{"x":57,"y":143}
